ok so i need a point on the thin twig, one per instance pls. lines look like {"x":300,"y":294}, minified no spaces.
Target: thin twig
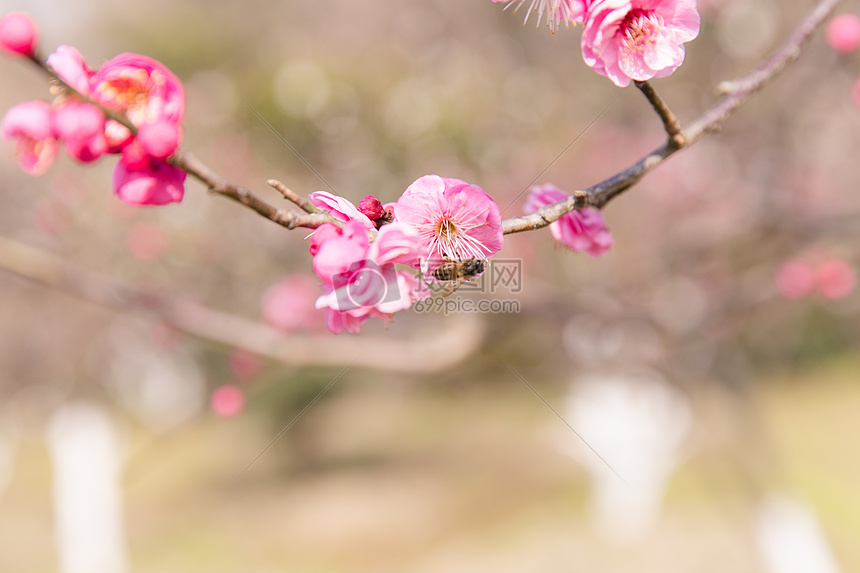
{"x":712,"y":120}
{"x":433,"y":351}
{"x":291,"y":195}
{"x":219,"y":185}
{"x":670,"y":122}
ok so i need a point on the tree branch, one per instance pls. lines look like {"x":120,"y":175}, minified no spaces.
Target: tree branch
{"x":217,"y":184}
{"x":435,"y":351}
{"x":737,"y":93}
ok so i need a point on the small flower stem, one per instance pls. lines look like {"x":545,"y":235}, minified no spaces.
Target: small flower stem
{"x":670,"y":122}
{"x":291,"y":195}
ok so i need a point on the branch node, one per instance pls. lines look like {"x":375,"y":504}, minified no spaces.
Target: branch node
{"x":291,"y":195}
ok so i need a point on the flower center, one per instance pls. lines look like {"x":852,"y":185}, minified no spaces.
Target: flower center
{"x":447,"y":230}
{"x":641,"y":28}
{"x":130,"y":93}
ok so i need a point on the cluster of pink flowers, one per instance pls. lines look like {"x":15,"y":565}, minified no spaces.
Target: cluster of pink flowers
{"x":803,"y":276}
{"x":583,"y":230}
{"x":436,"y":219}
{"x":142,"y":89}
{"x":626,"y":40}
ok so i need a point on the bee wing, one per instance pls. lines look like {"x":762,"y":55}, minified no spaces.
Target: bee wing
{"x":449,"y":287}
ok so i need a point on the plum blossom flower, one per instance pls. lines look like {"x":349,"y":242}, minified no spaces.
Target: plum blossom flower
{"x":142,"y":88}
{"x":30,"y":124}
{"x":289,"y":303}
{"x":81,"y":127}
{"x":453,"y":218}
{"x":583,"y":230}
{"x":557,"y":11}
{"x":340,"y":208}
{"x":638,"y":39}
{"x":359,"y":278}
{"x":68,"y":63}
{"x":157,"y":183}
{"x":18,"y":34}
{"x":843,"y":33}
{"x":835,"y":279}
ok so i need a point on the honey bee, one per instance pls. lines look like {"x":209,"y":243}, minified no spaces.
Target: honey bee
{"x":456,"y":273}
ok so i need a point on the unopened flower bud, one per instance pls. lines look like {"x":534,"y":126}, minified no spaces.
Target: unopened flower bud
{"x":371,"y":207}
{"x":18,"y":33}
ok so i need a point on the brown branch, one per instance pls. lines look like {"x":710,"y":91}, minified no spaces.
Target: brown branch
{"x":291,"y":195}
{"x":738,"y":92}
{"x":670,"y":122}
{"x":434,"y":351}
{"x":217,"y":184}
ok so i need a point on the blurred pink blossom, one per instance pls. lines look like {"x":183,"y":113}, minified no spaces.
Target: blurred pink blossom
{"x":638,"y":39}
{"x":289,"y":303}
{"x":453,"y":218}
{"x":359,"y":278}
{"x":157,"y":183}
{"x":583,"y":230}
{"x":835,"y":279}
{"x":142,"y":88}
{"x":18,"y":34}
{"x":69,"y":64}
{"x":159,"y":139}
{"x":843,"y":33}
{"x":243,"y":364}
{"x":557,"y":11}
{"x":795,"y":279}
{"x":81,"y":127}
{"x":227,"y":401}
{"x":340,"y":208}
{"x":30,"y":124}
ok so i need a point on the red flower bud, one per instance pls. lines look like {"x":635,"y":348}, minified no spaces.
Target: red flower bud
{"x":371,"y":207}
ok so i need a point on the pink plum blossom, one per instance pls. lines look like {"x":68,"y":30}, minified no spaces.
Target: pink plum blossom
{"x":159,"y":139}
{"x":557,"y":11}
{"x":319,"y":236}
{"x":227,"y":401}
{"x":453,"y":218}
{"x":81,"y":127}
{"x":68,"y":63}
{"x":289,"y":303}
{"x":843,"y":33}
{"x":638,"y":39}
{"x":157,"y":183}
{"x":795,"y":279}
{"x":359,"y":278}
{"x":30,"y":124}
{"x":583,"y":230}
{"x":340,"y":208}
{"x":18,"y":34}
{"x":142,"y":88}
{"x":835,"y":279}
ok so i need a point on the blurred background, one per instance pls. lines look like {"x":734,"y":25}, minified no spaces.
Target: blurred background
{"x":688,"y":402}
